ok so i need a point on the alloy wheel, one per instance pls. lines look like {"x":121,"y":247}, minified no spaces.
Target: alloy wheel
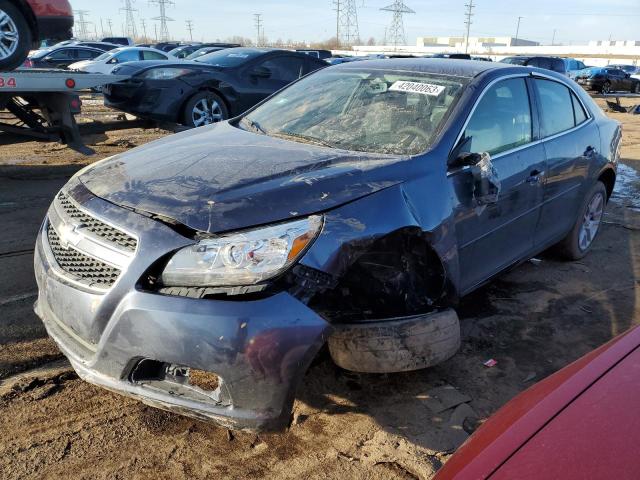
{"x":606,"y":88}
{"x":206,"y":111}
{"x":9,"y":36}
{"x":591,"y":221}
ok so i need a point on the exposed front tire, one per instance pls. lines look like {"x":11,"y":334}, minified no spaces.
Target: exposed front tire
{"x":205,"y":108}
{"x":396,"y":345}
{"x":580,"y":239}
{"x":606,"y":87}
{"x":15,"y":36}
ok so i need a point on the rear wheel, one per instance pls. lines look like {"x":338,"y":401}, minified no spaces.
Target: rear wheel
{"x":205,"y":108}
{"x":15,"y":36}
{"x":636,"y":87}
{"x":580,"y":239}
{"x":606,"y":87}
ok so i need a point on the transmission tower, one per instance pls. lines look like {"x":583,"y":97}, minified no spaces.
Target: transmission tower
{"x":163,"y":18}
{"x":396,"y":30}
{"x":110,"y":23}
{"x":144,"y":28}
{"x":470,"y":6}
{"x":190,"y":28}
{"x":347,"y":32}
{"x":83,"y":24}
{"x":130,"y":28}
{"x":257,"y":17}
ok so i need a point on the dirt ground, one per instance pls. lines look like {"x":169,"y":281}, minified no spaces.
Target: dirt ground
{"x":533,"y":320}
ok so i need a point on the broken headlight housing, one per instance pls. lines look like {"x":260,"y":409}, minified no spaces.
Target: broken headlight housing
{"x":240,"y":259}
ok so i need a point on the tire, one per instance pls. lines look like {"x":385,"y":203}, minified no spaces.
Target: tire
{"x":396,"y":345}
{"x":606,"y":87}
{"x":212,"y":108}
{"x":575,"y":245}
{"x":636,"y":88}
{"x":16,"y":37}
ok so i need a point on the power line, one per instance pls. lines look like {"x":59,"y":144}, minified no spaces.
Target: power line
{"x":259,"y":28}
{"x":470,"y":6}
{"x":396,"y":30}
{"x":190,"y":28}
{"x":130,"y":29}
{"x":83,"y":23}
{"x":347,"y":31}
{"x":163,"y":18}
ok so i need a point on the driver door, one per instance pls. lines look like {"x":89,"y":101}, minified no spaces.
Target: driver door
{"x":493,"y":236}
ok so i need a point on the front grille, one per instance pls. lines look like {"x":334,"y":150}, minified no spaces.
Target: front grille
{"x":79,"y":266}
{"x":96,"y":227}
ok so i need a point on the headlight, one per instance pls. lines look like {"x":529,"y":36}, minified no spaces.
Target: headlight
{"x":243,"y":258}
{"x":164,"y":73}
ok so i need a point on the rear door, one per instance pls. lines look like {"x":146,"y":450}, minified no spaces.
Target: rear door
{"x":492,"y":237}
{"x":570,"y":138}
{"x":283,"y":69}
{"x":61,"y":58}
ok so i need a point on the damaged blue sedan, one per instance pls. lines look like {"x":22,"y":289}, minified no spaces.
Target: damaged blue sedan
{"x":202,"y":273}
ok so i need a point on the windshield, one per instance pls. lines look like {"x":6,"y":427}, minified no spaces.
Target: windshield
{"x":105,"y":55}
{"x":230,"y":57}
{"x":376,"y":111}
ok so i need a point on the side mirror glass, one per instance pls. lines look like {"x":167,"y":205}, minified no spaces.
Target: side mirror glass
{"x":465,"y":160}
{"x":261,"y":72}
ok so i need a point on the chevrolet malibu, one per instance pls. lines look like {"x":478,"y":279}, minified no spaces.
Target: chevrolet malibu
{"x":202,"y":273}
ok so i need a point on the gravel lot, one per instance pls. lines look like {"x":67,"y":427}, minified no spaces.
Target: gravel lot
{"x":533,"y":320}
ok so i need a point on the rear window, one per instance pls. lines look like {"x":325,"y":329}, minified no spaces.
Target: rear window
{"x":230,"y":57}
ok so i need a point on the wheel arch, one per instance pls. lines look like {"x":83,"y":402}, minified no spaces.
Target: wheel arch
{"x":608,"y":178}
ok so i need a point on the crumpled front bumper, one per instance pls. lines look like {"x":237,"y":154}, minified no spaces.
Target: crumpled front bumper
{"x":259,"y":349}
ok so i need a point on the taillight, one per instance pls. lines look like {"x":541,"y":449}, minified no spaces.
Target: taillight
{"x":28,"y":63}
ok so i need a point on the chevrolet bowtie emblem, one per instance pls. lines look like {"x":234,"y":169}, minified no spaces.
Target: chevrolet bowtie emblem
{"x":69,"y":235}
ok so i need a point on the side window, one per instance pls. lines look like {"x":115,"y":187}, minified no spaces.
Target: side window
{"x":578,"y":111}
{"x":581,"y":66}
{"x":87,"y":54}
{"x":128,"y":56}
{"x":557,"y":65}
{"x":149,"y":55}
{"x":311,"y":65}
{"x":64,"y":54}
{"x":286,"y":69}
{"x":556,"y":107}
{"x":501,"y":120}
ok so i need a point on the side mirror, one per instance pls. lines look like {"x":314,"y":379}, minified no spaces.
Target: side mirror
{"x":465,"y":160}
{"x":261,"y":72}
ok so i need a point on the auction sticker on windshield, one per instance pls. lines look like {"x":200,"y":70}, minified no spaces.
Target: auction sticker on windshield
{"x":416,"y":87}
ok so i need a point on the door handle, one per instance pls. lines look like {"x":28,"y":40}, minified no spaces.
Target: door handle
{"x":535,"y":176}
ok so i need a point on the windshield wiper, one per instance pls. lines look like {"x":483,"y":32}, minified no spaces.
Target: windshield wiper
{"x":300,"y":136}
{"x":254,"y":125}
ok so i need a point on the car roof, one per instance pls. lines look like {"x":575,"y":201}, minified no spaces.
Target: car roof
{"x":442,"y":66}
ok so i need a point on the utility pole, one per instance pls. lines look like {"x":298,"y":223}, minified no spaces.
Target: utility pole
{"x":83,"y":23}
{"x":102,"y":28}
{"x":155,"y":29}
{"x":347,"y":32}
{"x":396,"y":31}
{"x":110,"y":23}
{"x":144,"y":28}
{"x":468,"y":15}
{"x":163,"y":18}
{"x":190,"y":28}
{"x":257,"y":17}
{"x":131,"y":30}
{"x":515,"y":44}
{"x":553,"y":39}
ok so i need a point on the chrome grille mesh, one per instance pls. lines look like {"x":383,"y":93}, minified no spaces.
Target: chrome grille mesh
{"x":95,"y":226}
{"x":79,"y":266}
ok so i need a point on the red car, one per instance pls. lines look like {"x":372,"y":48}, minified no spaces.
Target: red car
{"x":583,"y":422}
{"x":24,"y":23}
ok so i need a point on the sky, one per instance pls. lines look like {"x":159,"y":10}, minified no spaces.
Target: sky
{"x":575,"y":21}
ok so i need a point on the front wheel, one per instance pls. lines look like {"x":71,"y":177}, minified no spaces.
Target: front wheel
{"x":205,"y":108}
{"x":606,"y":87}
{"x":580,"y":239}
{"x":636,"y":88}
{"x":15,"y":36}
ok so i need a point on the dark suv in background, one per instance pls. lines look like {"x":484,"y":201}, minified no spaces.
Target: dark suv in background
{"x":606,"y":80}
{"x":555,"y":64}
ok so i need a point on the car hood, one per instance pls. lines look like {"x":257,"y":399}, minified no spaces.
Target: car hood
{"x":221,"y":178}
{"x":80,"y":65}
